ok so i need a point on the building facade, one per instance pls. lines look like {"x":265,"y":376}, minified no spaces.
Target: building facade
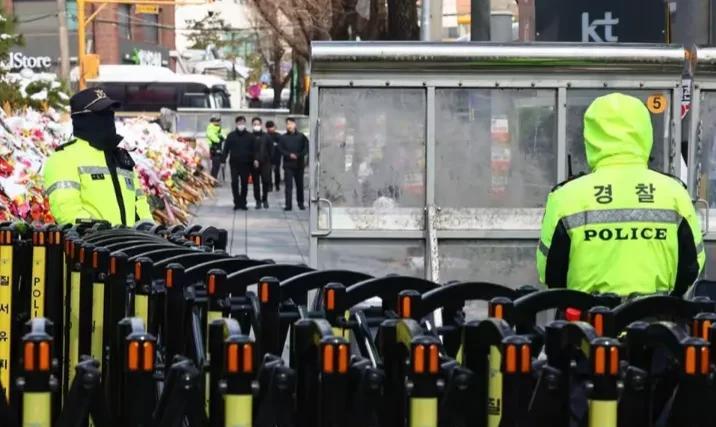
{"x":235,"y":14}
{"x":118,"y":34}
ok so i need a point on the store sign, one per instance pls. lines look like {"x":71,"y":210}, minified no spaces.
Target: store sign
{"x":19,"y":61}
{"x":146,"y":57}
{"x":589,"y":28}
{"x":148,"y":9}
{"x":604,"y":21}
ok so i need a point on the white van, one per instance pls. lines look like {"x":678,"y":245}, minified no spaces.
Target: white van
{"x":148,"y":89}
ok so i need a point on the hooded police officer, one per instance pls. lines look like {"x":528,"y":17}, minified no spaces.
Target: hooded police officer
{"x":623,"y":228}
{"x":89,"y":177}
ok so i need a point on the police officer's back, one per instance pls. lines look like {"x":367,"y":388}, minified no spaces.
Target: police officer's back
{"x":622,"y":228}
{"x":89,"y":177}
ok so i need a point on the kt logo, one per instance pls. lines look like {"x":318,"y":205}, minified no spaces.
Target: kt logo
{"x":589,"y":29}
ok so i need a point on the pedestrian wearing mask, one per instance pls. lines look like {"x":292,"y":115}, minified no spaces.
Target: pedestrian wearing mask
{"x":276,"y":154}
{"x":262,"y":160}
{"x":293,"y":146}
{"x":239,"y":149}
{"x":89,"y":177}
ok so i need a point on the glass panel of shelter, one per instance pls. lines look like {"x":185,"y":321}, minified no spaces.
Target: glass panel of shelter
{"x":372,"y":157}
{"x":706,"y":140}
{"x":496,"y":156}
{"x":506,"y":262}
{"x":578,"y":100}
{"x":373,"y":256}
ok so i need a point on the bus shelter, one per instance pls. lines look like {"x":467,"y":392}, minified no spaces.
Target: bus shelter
{"x":435,"y":160}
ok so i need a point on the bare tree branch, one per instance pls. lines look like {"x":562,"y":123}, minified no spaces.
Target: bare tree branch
{"x":271,"y":18}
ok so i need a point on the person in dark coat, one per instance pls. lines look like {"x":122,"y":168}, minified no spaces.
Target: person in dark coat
{"x":262,"y":160}
{"x":239,"y":148}
{"x":276,"y":155}
{"x":293,"y":146}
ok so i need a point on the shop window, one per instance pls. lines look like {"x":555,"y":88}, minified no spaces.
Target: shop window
{"x":151,"y":28}
{"x":124,"y":14}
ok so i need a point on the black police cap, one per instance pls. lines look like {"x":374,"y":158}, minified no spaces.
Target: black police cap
{"x":92,"y":100}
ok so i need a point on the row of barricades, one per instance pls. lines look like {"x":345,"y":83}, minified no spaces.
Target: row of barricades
{"x":161,"y":327}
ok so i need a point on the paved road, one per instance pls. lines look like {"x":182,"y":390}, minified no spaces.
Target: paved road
{"x":273,"y":233}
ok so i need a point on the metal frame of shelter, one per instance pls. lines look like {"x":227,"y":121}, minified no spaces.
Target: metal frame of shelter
{"x":491,"y":71}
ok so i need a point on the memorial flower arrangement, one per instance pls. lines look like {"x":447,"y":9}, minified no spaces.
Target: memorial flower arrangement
{"x":169,"y":169}
{"x":34,"y":121}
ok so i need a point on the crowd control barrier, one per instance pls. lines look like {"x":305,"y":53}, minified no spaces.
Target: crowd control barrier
{"x":155,"y":326}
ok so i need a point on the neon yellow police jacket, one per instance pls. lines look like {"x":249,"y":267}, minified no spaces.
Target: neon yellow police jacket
{"x":214,"y":134}
{"x":622,"y":228}
{"x":80,"y":185}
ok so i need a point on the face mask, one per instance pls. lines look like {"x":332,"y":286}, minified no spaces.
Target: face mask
{"x":241,"y":127}
{"x":97,"y":128}
{"x":257,"y":128}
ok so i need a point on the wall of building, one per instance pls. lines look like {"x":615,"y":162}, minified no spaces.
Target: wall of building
{"x":235,"y":14}
{"x":116,"y":34}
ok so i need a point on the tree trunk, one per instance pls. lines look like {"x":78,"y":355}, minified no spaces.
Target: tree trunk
{"x":277,"y":89}
{"x":403,"y":20}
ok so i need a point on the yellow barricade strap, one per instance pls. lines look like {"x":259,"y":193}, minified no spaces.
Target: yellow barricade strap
{"x":97,"y":321}
{"x":6,"y":260}
{"x":210,"y":317}
{"x":238,"y":410}
{"x":37,"y":300}
{"x":423,"y":412}
{"x":602,"y":413}
{"x":141,"y":308}
{"x":36,"y":409}
{"x":494,"y":388}
{"x":74,"y":323}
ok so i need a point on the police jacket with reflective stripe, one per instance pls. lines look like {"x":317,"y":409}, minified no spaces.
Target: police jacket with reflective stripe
{"x":215,"y":135}
{"x":623,"y":228}
{"x":80,"y":185}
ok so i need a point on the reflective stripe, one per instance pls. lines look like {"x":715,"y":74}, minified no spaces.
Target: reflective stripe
{"x":140,"y":193}
{"x":93,"y":170}
{"x":543,"y":248}
{"x":699,"y":248}
{"x":59,"y":185}
{"x":125,"y":173}
{"x":621,"y":215}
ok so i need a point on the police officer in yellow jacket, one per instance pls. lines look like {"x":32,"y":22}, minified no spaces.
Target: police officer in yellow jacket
{"x":215,"y":135}
{"x":622,"y":228}
{"x":89,"y":177}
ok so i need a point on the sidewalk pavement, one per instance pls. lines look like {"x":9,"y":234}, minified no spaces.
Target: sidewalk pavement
{"x":261,"y":234}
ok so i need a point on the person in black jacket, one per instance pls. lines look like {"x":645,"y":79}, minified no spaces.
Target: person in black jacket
{"x":239,"y":148}
{"x":276,"y":155}
{"x":293,"y":146}
{"x":262,"y":160}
